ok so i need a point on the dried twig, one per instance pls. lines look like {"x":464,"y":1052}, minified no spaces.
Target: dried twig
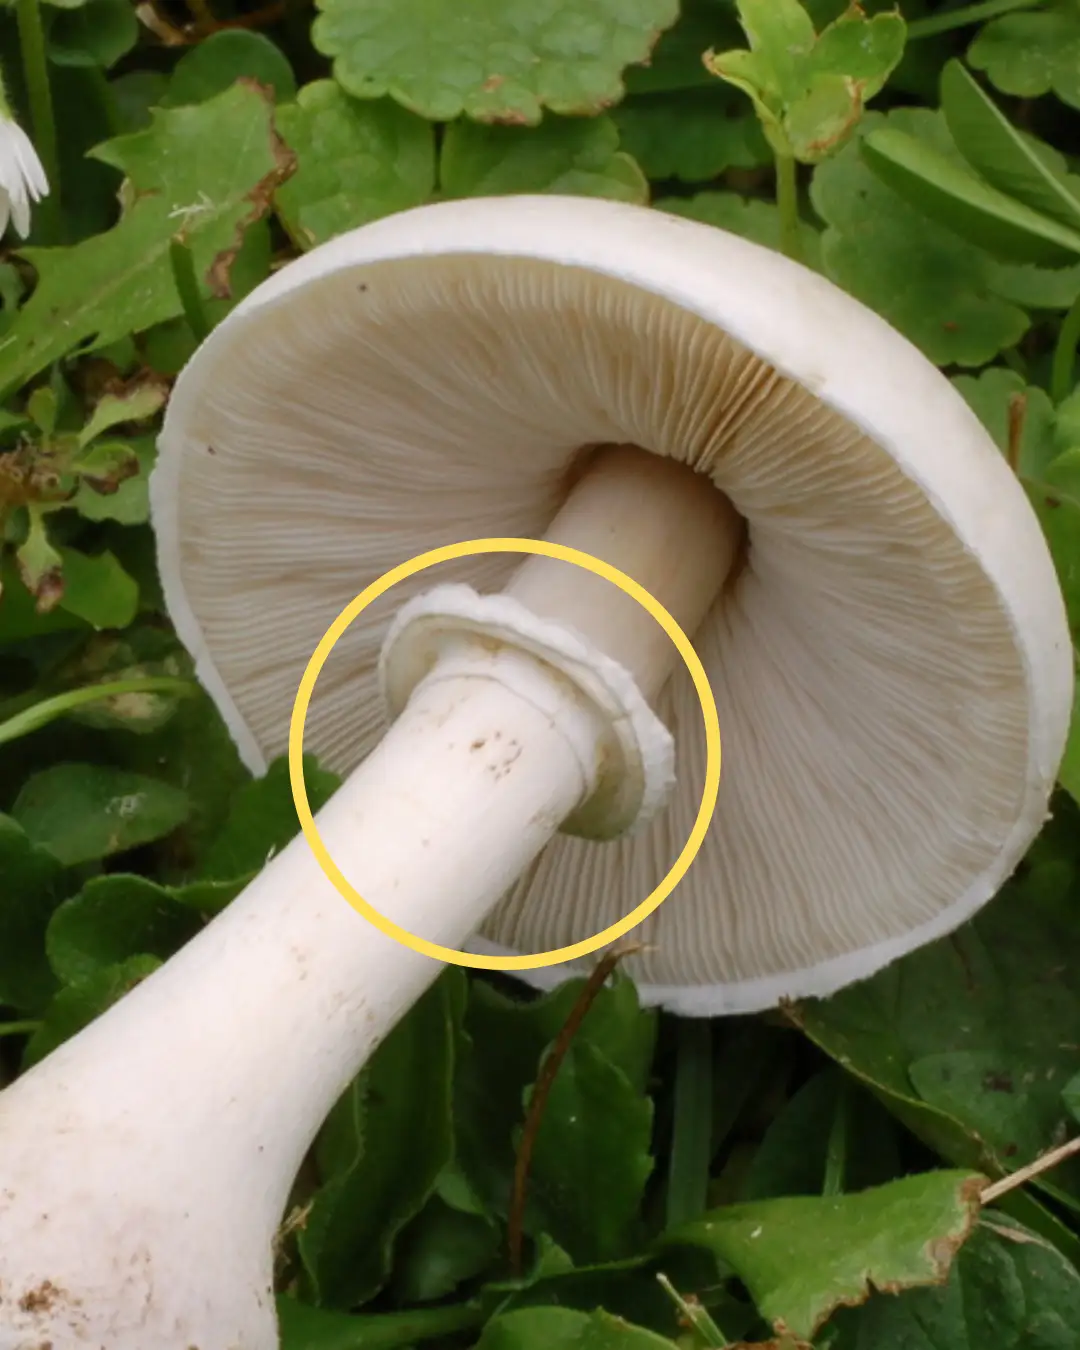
{"x":544,"y":1082}
{"x":1023,"y":1175}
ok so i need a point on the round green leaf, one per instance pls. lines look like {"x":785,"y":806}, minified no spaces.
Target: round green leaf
{"x":500,"y":63}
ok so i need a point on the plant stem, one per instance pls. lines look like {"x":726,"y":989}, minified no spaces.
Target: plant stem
{"x":1025,"y":1174}
{"x":18,"y":1028}
{"x":187,"y":287}
{"x":545,"y":1080}
{"x":962,"y":18}
{"x":695,"y":1316}
{"x":787,"y":199}
{"x":49,"y":709}
{"x":42,"y":118}
{"x":691,"y":1143}
{"x":836,"y":1149}
{"x":1061,"y":371}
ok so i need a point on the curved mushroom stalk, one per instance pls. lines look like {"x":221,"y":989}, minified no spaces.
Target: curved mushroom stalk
{"x":145,"y":1165}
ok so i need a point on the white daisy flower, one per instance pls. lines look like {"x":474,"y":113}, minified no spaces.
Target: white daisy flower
{"x":22,"y":179}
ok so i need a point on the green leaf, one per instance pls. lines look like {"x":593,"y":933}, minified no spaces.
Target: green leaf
{"x":305,"y":1328}
{"x":97,"y":34}
{"x":569,"y":155}
{"x":809,"y":90}
{"x":1002,"y":986}
{"x":356,"y":161}
{"x":32,"y":884}
{"x":675,"y":62}
{"x":693,"y":136}
{"x":1032,"y":54}
{"x":989,"y":395}
{"x":40,"y":564}
{"x":112,"y":410}
{"x":1008,"y":1290}
{"x":1005,"y":157}
{"x":207,"y":172}
{"x":919,"y":276}
{"x":955,"y":198}
{"x":382,"y":1149}
{"x":792,"y":1158}
{"x":507,"y":1040}
{"x":83,"y":812}
{"x":216,"y":63}
{"x":129,"y":504}
{"x":862,"y":49}
{"x":440,"y":1249}
{"x":749,"y":217}
{"x":262,"y":819}
{"x":565,"y":1329}
{"x":112,"y":919}
{"x":77,"y":1005}
{"x":781,"y":35}
{"x":97,"y":589}
{"x":803,"y":1257}
{"x":591,"y":1158}
{"x":134,"y":96}
{"x":502,"y":64}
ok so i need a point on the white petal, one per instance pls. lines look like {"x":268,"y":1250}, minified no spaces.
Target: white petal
{"x":28,"y":161}
{"x":5,"y":211}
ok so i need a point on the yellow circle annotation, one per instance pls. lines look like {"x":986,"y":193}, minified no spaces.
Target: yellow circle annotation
{"x":682,"y":643}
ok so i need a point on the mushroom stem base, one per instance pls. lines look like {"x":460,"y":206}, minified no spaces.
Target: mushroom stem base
{"x":145,"y":1165}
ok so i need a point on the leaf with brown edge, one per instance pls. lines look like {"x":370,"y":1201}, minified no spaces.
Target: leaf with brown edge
{"x":803,"y":1257}
{"x":205,"y":172}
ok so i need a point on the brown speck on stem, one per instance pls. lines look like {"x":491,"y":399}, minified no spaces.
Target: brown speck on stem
{"x":544,"y":1082}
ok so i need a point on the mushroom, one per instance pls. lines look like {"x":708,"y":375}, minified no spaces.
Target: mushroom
{"x":866,"y":585}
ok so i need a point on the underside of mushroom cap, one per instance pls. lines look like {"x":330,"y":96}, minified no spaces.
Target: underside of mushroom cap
{"x":891,"y":664}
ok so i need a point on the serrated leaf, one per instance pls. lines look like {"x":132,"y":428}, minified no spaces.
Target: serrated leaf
{"x":206,"y":171}
{"x":919,"y":276}
{"x":1032,"y":54}
{"x":1008,"y":1290}
{"x":566,"y":1329}
{"x":1004,"y":156}
{"x":382,"y":1149}
{"x":504,"y":64}
{"x":112,"y":919}
{"x":216,"y":63}
{"x":357,"y":160}
{"x":569,"y":155}
{"x":802,"y":1257}
{"x":77,"y":1005}
{"x":84,"y":812}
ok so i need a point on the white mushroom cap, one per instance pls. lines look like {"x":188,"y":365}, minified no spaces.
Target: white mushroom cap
{"x":892,"y":663}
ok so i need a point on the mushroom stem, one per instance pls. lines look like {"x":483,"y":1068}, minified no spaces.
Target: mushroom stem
{"x":661,"y":523}
{"x":145,"y":1164}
